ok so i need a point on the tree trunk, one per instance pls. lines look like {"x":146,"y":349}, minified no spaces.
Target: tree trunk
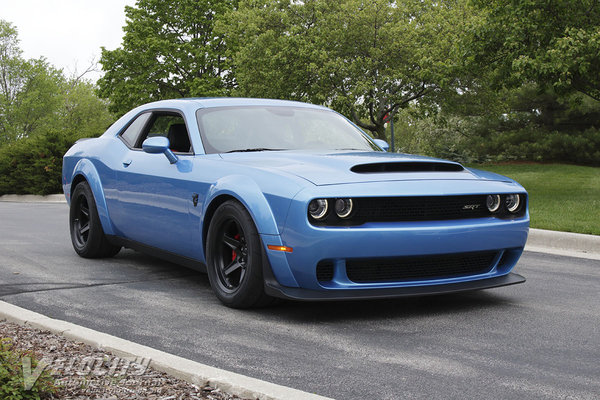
{"x":379,"y":133}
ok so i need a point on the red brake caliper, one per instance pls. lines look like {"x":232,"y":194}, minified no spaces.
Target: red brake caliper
{"x":233,"y":253}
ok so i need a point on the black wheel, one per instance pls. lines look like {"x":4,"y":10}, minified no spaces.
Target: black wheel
{"x":234,"y":258}
{"x":87,"y":235}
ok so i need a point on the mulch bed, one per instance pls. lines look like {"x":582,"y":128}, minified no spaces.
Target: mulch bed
{"x":83,"y":372}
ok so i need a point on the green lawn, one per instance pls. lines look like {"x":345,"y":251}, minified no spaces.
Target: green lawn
{"x":561,"y":197}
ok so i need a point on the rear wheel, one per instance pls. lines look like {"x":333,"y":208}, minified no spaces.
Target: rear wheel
{"x":234,"y":258}
{"x":87,"y":235}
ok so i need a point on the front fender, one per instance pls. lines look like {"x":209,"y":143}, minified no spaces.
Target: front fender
{"x":86,"y":168}
{"x":247,"y":192}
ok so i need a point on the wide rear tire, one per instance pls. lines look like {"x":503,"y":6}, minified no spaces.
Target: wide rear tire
{"x":235,"y":258}
{"x":87,"y":236}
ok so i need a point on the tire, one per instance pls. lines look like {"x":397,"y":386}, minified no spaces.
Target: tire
{"x":87,"y":236}
{"x":235,"y":258}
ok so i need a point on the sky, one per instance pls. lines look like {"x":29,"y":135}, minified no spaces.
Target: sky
{"x":68,"y":33}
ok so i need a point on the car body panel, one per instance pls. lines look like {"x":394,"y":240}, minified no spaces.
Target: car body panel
{"x":143,"y":198}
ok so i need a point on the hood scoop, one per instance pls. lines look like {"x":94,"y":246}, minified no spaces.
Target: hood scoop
{"x":406,"y":166}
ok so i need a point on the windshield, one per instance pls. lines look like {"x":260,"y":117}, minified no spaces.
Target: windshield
{"x":262,"y":128}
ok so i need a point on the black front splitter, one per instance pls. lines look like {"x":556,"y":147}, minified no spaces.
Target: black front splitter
{"x":272,"y":288}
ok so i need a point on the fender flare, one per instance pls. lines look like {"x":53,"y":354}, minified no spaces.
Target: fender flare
{"x":87,"y":170}
{"x":247,"y":192}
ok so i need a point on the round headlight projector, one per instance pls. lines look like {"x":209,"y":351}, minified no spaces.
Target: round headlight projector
{"x":493,"y":202}
{"x":318,"y":208}
{"x":343,"y":207}
{"x":512,"y":202}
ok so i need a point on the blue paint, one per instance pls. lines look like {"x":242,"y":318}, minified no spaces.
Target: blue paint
{"x":161,"y":201}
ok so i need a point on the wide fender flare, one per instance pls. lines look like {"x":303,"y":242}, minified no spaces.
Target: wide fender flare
{"x":87,"y":169}
{"x":247,"y":192}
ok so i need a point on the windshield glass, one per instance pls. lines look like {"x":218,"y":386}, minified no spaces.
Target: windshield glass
{"x":261,"y":128}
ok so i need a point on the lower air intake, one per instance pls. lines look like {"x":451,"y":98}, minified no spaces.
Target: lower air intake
{"x":420,"y":268}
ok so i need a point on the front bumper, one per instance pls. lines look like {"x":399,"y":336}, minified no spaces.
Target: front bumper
{"x":295,"y":273}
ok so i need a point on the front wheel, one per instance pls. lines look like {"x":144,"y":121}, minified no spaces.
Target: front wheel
{"x":234,"y":258}
{"x":87,"y":235}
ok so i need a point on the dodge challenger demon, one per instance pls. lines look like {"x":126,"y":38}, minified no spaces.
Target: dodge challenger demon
{"x":281,"y":199}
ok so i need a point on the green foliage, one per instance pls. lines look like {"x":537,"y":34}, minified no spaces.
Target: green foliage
{"x":33,"y":165}
{"x":41,"y":114}
{"x":554,"y":43}
{"x":543,"y":146}
{"x":542,"y":128}
{"x":169,"y":50}
{"x":561,"y":197}
{"x":365,"y":59}
{"x":11,"y":376}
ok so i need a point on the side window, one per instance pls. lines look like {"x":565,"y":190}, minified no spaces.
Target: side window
{"x":131,"y":134}
{"x":172,"y":126}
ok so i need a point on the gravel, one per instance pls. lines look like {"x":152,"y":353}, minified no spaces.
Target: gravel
{"x":83,"y":372}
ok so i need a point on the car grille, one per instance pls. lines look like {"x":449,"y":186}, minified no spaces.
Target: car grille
{"x":421,"y":208}
{"x":420,"y":268}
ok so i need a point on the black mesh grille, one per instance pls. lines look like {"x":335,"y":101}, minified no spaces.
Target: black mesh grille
{"x":419,"y":268}
{"x":325,"y":271}
{"x":377,"y":209}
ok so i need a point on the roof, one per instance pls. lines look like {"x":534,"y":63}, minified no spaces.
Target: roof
{"x":207,"y":102}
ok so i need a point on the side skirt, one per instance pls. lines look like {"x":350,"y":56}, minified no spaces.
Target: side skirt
{"x":158,"y":253}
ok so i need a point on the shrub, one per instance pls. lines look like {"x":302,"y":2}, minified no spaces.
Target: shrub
{"x":476,"y":140}
{"x":11,"y":376}
{"x":33,"y":165}
{"x":540,"y":145}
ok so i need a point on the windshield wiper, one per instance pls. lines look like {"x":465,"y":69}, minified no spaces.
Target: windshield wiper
{"x":249,"y":150}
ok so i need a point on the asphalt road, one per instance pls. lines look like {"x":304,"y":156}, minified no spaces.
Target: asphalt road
{"x":540,"y":339}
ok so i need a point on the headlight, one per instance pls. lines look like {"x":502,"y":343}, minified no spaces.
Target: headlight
{"x":318,"y":208}
{"x":343,"y":207}
{"x":493,"y":202}
{"x":512,"y":202}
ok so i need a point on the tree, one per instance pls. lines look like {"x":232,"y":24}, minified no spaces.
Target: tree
{"x":11,"y":80}
{"x":365,"y":59}
{"x":42,"y":113}
{"x":29,"y":89}
{"x":555,"y":44}
{"x":169,"y":50}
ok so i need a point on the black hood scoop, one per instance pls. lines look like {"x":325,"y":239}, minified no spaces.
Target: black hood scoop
{"x":406,"y":166}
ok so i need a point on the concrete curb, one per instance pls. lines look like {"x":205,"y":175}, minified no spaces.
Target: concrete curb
{"x":564,"y":243}
{"x":190,"y":371}
{"x":32,"y":198}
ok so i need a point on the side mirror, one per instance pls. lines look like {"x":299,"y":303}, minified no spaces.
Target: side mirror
{"x":157,"y":145}
{"x":382,"y":143}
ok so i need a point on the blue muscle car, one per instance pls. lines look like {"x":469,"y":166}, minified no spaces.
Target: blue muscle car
{"x":281,"y":199}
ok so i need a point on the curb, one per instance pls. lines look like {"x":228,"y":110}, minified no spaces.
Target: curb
{"x":188,"y":370}
{"x":32,"y":198}
{"x":564,"y":243}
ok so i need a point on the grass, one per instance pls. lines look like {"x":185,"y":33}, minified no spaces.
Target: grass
{"x":561,"y":197}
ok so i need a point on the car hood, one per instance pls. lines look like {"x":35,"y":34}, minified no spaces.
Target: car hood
{"x":331,"y":168}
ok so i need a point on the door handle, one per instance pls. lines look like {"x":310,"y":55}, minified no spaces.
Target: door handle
{"x":126,"y":163}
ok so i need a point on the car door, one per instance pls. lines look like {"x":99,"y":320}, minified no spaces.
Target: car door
{"x":154,"y":195}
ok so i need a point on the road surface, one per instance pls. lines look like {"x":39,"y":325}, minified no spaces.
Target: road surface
{"x":536,"y":340}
